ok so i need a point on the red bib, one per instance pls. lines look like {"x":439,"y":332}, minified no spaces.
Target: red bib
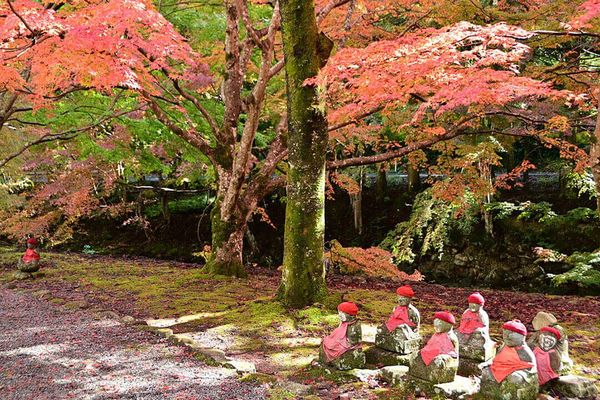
{"x":439,"y":344}
{"x":30,"y":255}
{"x":506,"y":362}
{"x":336,"y":343}
{"x":469,"y":322}
{"x":399,"y":317}
{"x":544,"y":368}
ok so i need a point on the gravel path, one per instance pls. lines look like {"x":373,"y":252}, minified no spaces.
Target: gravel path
{"x":50,"y":352}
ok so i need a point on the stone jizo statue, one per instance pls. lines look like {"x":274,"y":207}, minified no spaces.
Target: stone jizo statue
{"x":400,"y":333}
{"x":512,"y":374}
{"x":30,"y":262}
{"x":473,"y":335}
{"x":544,"y":319}
{"x":548,"y":359}
{"x":342,"y":348}
{"x":437,"y":362}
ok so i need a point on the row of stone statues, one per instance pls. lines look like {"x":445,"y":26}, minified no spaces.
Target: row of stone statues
{"x":511,"y":370}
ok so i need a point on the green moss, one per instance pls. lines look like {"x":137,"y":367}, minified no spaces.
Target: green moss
{"x":258,"y":378}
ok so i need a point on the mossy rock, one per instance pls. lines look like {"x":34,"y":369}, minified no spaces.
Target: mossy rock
{"x":508,"y":390}
{"x":434,"y":373}
{"x":476,"y":347}
{"x":396,"y":341}
{"x":380,"y":357}
{"x":352,"y":359}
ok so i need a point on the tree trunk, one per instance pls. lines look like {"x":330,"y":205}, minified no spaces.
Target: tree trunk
{"x":227,"y":245}
{"x":303,"y":277}
{"x":595,"y":160}
{"x":414,"y":179}
{"x":381,"y":184}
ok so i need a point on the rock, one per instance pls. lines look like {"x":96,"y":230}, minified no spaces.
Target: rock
{"x":393,"y":374}
{"x":216,"y":355}
{"x":543,"y":319}
{"x":460,"y":388}
{"x":368,"y":376}
{"x":575,"y":386}
{"x":461,"y":260}
{"x":42,"y":294}
{"x":396,"y":342}
{"x":128,"y":320}
{"x":507,"y":390}
{"x":353,"y":359}
{"x":378,"y":357}
{"x":164,"y":332}
{"x":21,"y":276}
{"x":543,"y":396}
{"x":81,"y":304}
{"x":243,"y":367}
{"x":467,"y":367}
{"x":9,"y":285}
{"x":434,"y":373}
{"x":105,"y":315}
{"x":476,"y":347}
{"x":295,"y":388}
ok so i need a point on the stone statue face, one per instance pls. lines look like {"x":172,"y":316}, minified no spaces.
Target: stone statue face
{"x":345,"y":317}
{"x":512,"y":339}
{"x":441,"y":326}
{"x":547,"y":341}
{"x":403,"y":301}
{"x":474,"y":307}
{"x":30,"y":246}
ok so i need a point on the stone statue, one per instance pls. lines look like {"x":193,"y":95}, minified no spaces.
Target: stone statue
{"x":30,"y":262}
{"x":400,"y":334}
{"x":476,"y":346}
{"x":548,"y":359}
{"x":544,"y":319}
{"x":512,"y":374}
{"x":437,"y":362}
{"x":342,"y":348}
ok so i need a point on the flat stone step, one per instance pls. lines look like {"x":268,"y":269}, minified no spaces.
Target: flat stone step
{"x":169,"y":322}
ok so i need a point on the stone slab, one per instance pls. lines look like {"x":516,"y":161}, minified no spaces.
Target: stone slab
{"x":380,"y":357}
{"x":575,"y":386}
{"x":467,"y":367}
{"x":460,"y":388}
{"x":393,"y":374}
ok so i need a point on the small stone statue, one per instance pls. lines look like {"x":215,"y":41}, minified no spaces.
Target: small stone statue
{"x":400,"y":333}
{"x":548,"y":359}
{"x":30,"y":262}
{"x":342,"y":348}
{"x":512,"y":374}
{"x":543,"y":319}
{"x":437,"y":362}
{"x":473,"y":335}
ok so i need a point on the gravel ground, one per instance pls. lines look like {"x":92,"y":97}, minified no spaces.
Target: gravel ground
{"x":50,"y":352}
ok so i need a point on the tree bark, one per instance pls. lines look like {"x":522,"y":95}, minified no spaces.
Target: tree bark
{"x":381,"y":184}
{"x":303,"y":278}
{"x":414,"y":179}
{"x":595,"y":160}
{"x":227,"y":245}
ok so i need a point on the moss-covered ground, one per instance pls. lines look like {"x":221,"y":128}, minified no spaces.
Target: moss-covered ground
{"x":281,"y":342}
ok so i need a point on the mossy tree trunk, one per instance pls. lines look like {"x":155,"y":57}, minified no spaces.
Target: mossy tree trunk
{"x":595,"y":160}
{"x":414,"y":179}
{"x":227,"y":245}
{"x":303,"y":279}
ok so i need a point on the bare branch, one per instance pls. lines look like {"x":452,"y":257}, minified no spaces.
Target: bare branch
{"x":211,"y":121}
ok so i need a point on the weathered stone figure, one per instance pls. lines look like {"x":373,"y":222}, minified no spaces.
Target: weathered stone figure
{"x":437,"y":362}
{"x":30,"y":262}
{"x":512,"y":374}
{"x":400,"y":333}
{"x":342,"y":349}
{"x":547,"y":357}
{"x":473,"y":335}
{"x":543,"y":319}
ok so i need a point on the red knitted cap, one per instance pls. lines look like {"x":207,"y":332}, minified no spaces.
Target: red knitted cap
{"x":516,"y":326}
{"x":32,"y":241}
{"x":405,"y":291}
{"x":552,"y":330}
{"x":348,"y":307}
{"x":445,"y":316}
{"x":476,"y":298}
